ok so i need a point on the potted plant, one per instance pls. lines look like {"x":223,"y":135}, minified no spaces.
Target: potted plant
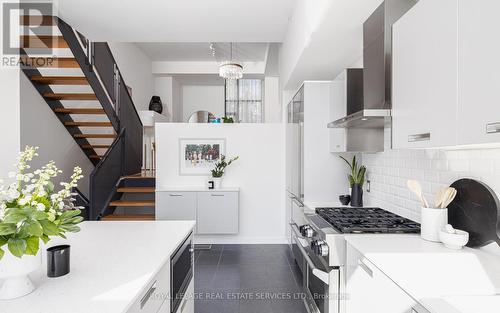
{"x":356,"y":181}
{"x":31,"y":211}
{"x":220,"y":167}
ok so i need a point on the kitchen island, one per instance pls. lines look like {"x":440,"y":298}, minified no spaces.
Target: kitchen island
{"x":116,"y":267}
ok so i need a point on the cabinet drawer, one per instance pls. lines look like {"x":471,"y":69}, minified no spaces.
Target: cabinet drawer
{"x":370,"y":290}
{"x":217,"y":213}
{"x":174,"y":205}
{"x":155,"y":294}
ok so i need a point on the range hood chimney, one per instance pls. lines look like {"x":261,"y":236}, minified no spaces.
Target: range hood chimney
{"x":377,"y":71}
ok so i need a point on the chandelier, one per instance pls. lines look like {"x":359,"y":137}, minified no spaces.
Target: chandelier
{"x":230,"y":69}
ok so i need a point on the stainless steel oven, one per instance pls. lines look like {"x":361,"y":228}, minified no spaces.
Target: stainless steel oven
{"x":321,"y":282}
{"x":181,"y":272}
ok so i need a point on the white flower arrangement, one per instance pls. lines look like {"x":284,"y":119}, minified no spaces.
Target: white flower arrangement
{"x":31,"y":211}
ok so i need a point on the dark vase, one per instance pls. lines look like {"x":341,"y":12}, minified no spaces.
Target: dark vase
{"x":357,"y":195}
{"x":155,"y":104}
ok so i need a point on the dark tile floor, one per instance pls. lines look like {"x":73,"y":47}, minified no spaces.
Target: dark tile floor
{"x":247,"y":279}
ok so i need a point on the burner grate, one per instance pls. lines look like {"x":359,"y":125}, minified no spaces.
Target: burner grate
{"x":367,"y":220}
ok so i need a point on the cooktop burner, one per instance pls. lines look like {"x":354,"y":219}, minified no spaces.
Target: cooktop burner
{"x":367,"y":220}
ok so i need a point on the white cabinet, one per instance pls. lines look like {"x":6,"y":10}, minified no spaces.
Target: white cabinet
{"x":187,"y":304}
{"x":338,"y":109}
{"x":445,"y":74}
{"x":152,"y":300}
{"x":174,"y":205}
{"x":479,"y":67}
{"x":425,"y":76}
{"x":370,"y":290}
{"x":217,"y":213}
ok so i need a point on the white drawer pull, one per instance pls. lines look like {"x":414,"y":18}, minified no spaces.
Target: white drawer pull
{"x":148,"y":294}
{"x":176,"y":195}
{"x":493,"y":128}
{"x":419,"y":137}
{"x":217,"y":195}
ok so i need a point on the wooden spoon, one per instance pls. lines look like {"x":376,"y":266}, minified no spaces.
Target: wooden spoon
{"x":440,"y":198}
{"x":415,"y":187}
{"x":450,"y":196}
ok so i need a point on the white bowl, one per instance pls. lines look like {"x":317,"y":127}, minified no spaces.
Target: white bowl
{"x":454,"y":241}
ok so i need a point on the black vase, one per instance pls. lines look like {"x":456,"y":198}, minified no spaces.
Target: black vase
{"x":357,"y":195}
{"x":155,"y":104}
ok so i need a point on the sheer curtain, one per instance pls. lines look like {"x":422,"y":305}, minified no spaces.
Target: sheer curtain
{"x":244,"y":100}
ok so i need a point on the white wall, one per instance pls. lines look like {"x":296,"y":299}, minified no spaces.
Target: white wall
{"x":202,"y":98}
{"x":259,"y":173}
{"x":136,"y":69}
{"x":272,"y":100}
{"x":163,"y":89}
{"x":435,"y":169}
{"x":40,"y":127}
{"x":9,"y":120}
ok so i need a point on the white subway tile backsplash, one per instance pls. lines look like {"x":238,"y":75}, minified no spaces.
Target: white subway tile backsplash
{"x":435,"y":169}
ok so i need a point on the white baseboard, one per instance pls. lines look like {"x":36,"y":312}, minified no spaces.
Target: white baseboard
{"x":203,"y":239}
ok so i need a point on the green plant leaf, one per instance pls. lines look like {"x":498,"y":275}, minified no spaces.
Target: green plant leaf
{"x":32,"y":245}
{"x":71,"y":228}
{"x":14,"y":217}
{"x":39,"y":216}
{"x":17,"y":246}
{"x":3,"y":240}
{"x":69,"y":214}
{"x":49,"y":228}
{"x":1,"y":253}
{"x":348,"y":163}
{"x":7,"y":229}
{"x":34,"y":228}
{"x":45,"y":238}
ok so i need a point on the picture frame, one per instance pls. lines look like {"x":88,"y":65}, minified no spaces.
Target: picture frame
{"x":197,"y":156}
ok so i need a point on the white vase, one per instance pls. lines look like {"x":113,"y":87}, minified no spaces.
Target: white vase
{"x":14,"y":272}
{"x":432,"y":221}
{"x":217,"y":182}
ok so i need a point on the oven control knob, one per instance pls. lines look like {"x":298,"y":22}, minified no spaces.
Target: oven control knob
{"x":306,"y":231}
{"x":320,"y":247}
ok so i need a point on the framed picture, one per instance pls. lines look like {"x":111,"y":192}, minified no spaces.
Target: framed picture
{"x":198,"y":156}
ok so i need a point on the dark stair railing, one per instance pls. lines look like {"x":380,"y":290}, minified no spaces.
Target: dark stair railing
{"x":124,"y":157}
{"x":81,"y":202}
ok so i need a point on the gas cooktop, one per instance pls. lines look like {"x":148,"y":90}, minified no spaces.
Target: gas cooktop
{"x":367,"y":220}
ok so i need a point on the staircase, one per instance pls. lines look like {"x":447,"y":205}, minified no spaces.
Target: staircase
{"x":82,"y":84}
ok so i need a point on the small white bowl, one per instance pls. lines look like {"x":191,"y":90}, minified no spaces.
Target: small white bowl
{"x":454,"y":241}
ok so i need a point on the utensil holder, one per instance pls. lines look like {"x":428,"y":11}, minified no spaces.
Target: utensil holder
{"x":58,"y":260}
{"x":433,"y":220}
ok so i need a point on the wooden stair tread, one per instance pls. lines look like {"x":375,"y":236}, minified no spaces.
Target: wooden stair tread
{"x":129,"y":217}
{"x":95,"y":146}
{"x":94,"y":135}
{"x":60,"y":80}
{"x":34,"y":20}
{"x":95,"y":157}
{"x":139,"y":176}
{"x":70,"y":96}
{"x":49,"y":62}
{"x":88,"y":124}
{"x":137,"y":189}
{"x":43,"y":41}
{"x":79,"y":110}
{"x":132,"y":203}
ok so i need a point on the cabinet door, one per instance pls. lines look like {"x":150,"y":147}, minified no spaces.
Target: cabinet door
{"x":173,"y":205}
{"x":425,"y":75}
{"x":479,"y":67}
{"x":370,"y":290}
{"x":338,"y":110}
{"x":217,"y":213}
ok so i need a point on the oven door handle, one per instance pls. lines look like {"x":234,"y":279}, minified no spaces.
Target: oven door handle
{"x":295,"y":229}
{"x":324,"y":276}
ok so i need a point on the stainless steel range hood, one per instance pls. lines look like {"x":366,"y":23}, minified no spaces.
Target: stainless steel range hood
{"x":377,"y":72}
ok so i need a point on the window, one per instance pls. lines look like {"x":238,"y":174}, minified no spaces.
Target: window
{"x":244,"y":100}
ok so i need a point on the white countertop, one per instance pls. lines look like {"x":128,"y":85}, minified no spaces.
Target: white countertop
{"x":430,"y":272}
{"x":463,"y":304}
{"x":111,"y":264}
{"x":196,"y":188}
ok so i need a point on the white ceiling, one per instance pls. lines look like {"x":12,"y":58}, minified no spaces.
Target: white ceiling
{"x":179,"y":20}
{"x":200,"y":51}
